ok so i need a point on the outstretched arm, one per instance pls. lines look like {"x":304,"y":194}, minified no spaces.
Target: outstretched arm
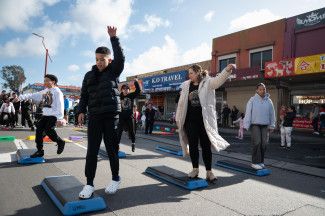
{"x":119,"y":58}
{"x":220,"y":79}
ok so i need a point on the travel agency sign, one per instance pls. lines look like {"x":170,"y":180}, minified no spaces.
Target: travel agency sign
{"x":164,"y":82}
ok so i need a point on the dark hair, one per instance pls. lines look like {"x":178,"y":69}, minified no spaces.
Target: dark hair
{"x":242,"y":115}
{"x":260,"y":84}
{"x":52,"y":78}
{"x":103,"y":50}
{"x":293,"y":108}
{"x":198,"y":69}
{"x":125,"y":86}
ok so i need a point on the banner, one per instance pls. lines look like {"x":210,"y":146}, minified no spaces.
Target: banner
{"x":310,"y":19}
{"x":281,"y":68}
{"x":164,"y":82}
{"x":310,"y":64}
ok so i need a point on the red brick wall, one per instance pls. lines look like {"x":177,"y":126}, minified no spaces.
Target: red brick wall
{"x":241,"y":42}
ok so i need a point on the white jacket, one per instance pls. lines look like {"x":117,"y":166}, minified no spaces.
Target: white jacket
{"x":7,"y":108}
{"x":208,"y":103}
{"x":52,"y":99}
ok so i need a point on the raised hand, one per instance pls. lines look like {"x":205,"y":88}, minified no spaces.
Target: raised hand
{"x":230,"y":67}
{"x":111,"y":30}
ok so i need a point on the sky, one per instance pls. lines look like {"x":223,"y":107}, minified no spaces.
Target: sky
{"x":154,"y":34}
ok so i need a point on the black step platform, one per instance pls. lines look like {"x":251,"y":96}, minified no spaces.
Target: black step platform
{"x":176,"y":177}
{"x":243,"y":167}
{"x":64,"y":192}
{"x":23,"y":157}
{"x":170,"y":149}
{"x":102,"y":151}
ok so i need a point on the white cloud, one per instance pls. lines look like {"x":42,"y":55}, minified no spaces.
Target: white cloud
{"x":166,"y":56}
{"x":73,"y":68}
{"x":208,"y":17}
{"x":151,"y":23}
{"x":88,"y":53}
{"x":251,"y":19}
{"x":54,"y":34}
{"x":93,"y":16}
{"x":88,"y":65}
{"x":15,"y":14}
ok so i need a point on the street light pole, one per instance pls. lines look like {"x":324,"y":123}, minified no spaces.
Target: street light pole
{"x":47,"y":55}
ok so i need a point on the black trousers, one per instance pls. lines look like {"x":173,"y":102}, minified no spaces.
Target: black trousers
{"x":9,"y":121}
{"x":25,"y":116}
{"x":128,"y":124}
{"x":149,"y":127}
{"x":100,"y":127}
{"x":46,"y":125}
{"x":196,"y":133}
{"x":315,"y":124}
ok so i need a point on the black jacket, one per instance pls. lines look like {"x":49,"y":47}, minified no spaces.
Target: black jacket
{"x":288,"y":119}
{"x":128,"y":101}
{"x":150,"y":115}
{"x":99,"y":91}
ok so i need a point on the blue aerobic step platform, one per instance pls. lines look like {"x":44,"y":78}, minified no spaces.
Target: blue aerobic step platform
{"x":23,"y":157}
{"x":170,"y":149}
{"x":7,"y":138}
{"x":243,"y":167}
{"x":102,"y":151}
{"x":64,"y":192}
{"x":176,"y":177}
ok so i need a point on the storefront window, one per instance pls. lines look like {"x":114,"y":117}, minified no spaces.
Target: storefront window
{"x":258,"y":59}
{"x":224,"y":62}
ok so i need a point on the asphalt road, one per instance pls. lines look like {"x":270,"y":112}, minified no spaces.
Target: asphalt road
{"x":281,"y":193}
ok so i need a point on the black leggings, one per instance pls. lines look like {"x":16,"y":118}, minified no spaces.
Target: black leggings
{"x":46,"y":125}
{"x":128,"y":124}
{"x":196,"y":132}
{"x":99,"y":127}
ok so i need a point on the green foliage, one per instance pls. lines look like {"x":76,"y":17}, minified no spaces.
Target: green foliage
{"x":13,"y":76}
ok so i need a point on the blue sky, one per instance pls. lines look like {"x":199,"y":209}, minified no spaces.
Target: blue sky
{"x":154,"y":34}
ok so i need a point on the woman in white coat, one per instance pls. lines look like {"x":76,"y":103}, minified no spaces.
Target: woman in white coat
{"x":196,"y":117}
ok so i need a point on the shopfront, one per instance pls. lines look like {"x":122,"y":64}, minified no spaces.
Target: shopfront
{"x":305,"y":80}
{"x":163,"y":90}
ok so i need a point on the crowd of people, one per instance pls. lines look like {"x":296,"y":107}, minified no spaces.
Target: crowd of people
{"x":13,"y":109}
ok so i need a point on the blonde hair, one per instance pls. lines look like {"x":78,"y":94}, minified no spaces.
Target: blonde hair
{"x":198,"y":69}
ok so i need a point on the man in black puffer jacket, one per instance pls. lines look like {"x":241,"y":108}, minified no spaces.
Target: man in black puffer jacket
{"x":100,"y":94}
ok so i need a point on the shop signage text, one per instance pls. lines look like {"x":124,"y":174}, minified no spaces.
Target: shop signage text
{"x":164,"y":82}
{"x":311,"y":19}
{"x":310,"y":64}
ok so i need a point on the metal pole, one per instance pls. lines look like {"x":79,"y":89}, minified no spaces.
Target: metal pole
{"x":46,"y":56}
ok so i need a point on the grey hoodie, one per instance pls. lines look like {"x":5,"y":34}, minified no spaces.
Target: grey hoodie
{"x":259,"y":111}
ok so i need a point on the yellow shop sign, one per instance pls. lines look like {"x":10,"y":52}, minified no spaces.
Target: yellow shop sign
{"x":310,"y":64}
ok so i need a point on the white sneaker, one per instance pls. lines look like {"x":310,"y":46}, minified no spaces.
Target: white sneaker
{"x":86,"y":192}
{"x":262,"y":165}
{"x":256,"y":166}
{"x":112,"y":188}
{"x":317,"y":133}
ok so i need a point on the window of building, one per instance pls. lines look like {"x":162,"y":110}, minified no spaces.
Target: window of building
{"x":258,"y":57}
{"x":225,"y":60}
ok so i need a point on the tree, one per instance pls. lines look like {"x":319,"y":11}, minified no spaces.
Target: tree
{"x":13,"y":76}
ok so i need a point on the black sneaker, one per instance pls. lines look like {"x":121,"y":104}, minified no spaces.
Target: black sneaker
{"x":60,"y":145}
{"x":39,"y":153}
{"x":133,"y":147}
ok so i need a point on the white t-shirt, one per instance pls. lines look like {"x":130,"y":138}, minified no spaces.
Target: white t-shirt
{"x":7,"y":108}
{"x":52,"y":99}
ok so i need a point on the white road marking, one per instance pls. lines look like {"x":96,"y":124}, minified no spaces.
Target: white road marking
{"x":20,"y":144}
{"x":11,"y":156}
{"x":77,"y":144}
